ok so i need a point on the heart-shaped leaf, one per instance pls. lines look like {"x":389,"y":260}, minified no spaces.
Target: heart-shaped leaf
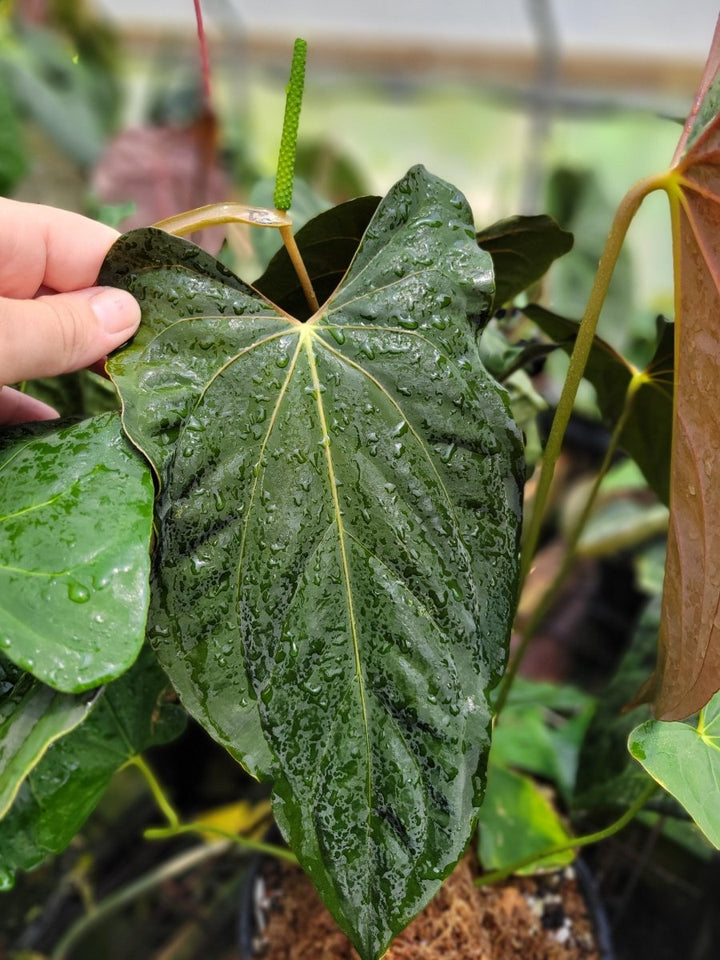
{"x":338,"y":525}
{"x":32,"y":716}
{"x":59,"y":794}
{"x":685,"y":760}
{"x":688,"y":671}
{"x":77,"y":505}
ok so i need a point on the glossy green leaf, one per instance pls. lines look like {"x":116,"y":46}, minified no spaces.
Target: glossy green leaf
{"x":338,"y":530}
{"x":75,"y":522}
{"x":522,"y":250}
{"x":685,"y":760}
{"x":647,"y":433}
{"x":63,"y":789}
{"x":32,"y":716}
{"x":327,"y":245}
{"x":517,"y":819}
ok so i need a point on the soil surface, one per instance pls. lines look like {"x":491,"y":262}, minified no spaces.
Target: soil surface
{"x":539,"y":918}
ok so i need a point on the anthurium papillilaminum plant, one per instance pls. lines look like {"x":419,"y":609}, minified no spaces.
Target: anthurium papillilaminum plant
{"x":329,"y":483}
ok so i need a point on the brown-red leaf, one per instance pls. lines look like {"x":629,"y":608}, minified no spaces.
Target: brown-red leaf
{"x":688,"y":671}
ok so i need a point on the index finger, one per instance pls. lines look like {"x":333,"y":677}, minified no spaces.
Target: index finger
{"x":43,"y":246}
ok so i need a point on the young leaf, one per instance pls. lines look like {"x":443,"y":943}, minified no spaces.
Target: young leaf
{"x":64,"y":788}
{"x":75,"y":529}
{"x":647,"y":431}
{"x":32,"y":716}
{"x":517,"y":819}
{"x":338,"y":525}
{"x":688,"y":671}
{"x":685,"y":760}
{"x":522,"y":249}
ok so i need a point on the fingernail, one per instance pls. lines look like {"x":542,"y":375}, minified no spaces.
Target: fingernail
{"x":117,"y":311}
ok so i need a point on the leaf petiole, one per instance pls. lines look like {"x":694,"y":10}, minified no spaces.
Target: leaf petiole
{"x":495,"y":876}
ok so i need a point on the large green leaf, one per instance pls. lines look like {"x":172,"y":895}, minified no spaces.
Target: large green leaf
{"x":647,"y":431}
{"x":32,"y":716}
{"x":76,"y":505}
{"x":338,"y":528}
{"x":63,"y":789}
{"x":522,"y":249}
{"x":685,"y":759}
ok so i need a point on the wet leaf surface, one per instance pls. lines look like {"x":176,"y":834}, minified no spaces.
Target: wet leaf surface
{"x":77,"y":505}
{"x":647,"y":432}
{"x":522,"y":250}
{"x":32,"y":716}
{"x":63,"y":789}
{"x":688,"y":671}
{"x":337,"y":538}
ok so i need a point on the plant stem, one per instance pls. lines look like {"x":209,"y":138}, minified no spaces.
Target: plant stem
{"x":575,"y":843}
{"x":173,"y":868}
{"x":300,"y":268}
{"x":246,"y":843}
{"x":581,"y":351}
{"x":159,"y":795}
{"x":214,"y":214}
{"x":550,"y":595}
{"x":204,"y":60}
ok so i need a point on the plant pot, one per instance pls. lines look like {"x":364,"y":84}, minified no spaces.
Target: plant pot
{"x":552,"y":916}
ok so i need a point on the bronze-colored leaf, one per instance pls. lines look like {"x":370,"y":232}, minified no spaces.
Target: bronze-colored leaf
{"x":163,"y":170}
{"x":688,"y":671}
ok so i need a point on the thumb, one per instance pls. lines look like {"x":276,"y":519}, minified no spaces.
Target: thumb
{"x":63,"y":332}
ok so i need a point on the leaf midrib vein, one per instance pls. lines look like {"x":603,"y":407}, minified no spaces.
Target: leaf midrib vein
{"x":344,"y":564}
{"x":423,"y":445}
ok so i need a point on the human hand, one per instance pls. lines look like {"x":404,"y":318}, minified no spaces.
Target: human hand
{"x":52,"y":320}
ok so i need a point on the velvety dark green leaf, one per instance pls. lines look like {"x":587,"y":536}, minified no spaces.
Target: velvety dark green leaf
{"x":327,"y":244}
{"x":517,"y":819}
{"x":522,"y":249}
{"x":63,"y":789}
{"x":76,"y":505}
{"x":338,"y":531}
{"x":647,"y":433}
{"x":32,"y":716}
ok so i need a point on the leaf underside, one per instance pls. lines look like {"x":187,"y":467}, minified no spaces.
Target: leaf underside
{"x":338,"y":522}
{"x":688,"y":671}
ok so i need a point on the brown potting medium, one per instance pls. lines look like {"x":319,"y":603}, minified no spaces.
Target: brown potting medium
{"x":529,"y":918}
